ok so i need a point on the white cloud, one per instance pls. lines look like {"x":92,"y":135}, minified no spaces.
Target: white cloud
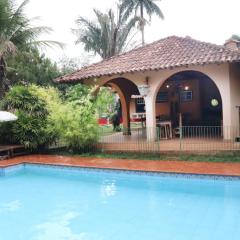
{"x":207,"y":20}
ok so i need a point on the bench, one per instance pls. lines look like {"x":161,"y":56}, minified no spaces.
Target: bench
{"x":8,"y":151}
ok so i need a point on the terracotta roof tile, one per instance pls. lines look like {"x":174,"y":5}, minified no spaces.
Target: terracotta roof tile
{"x":166,"y":53}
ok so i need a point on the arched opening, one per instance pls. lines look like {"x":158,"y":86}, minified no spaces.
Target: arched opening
{"x":189,"y":98}
{"x":124,"y":89}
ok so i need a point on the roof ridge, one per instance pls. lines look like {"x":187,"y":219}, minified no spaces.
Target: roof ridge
{"x":168,"y":52}
{"x":119,"y":55}
{"x":138,"y":48}
{"x":212,"y":44}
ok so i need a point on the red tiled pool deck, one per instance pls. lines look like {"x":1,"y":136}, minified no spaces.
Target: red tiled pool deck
{"x":208,"y":168}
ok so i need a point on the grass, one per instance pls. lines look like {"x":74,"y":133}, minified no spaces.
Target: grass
{"x":108,"y":129}
{"x":220,"y":157}
{"x":223,"y":157}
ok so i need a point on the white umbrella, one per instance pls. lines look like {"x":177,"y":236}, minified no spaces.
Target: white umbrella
{"x":7,"y":117}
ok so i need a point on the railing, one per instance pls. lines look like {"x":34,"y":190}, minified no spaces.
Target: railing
{"x":158,"y":140}
{"x":209,"y":139}
{"x":187,"y":139}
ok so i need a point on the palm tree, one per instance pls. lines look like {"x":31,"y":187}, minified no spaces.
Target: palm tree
{"x":130,"y":6}
{"x":17,"y":34}
{"x":109,"y":36}
{"x":236,"y":37}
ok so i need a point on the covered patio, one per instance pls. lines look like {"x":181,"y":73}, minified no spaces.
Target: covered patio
{"x":183,"y":91}
{"x":137,"y":142}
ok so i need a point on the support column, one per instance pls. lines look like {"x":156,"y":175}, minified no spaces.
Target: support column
{"x":227,"y":125}
{"x":225,"y":91}
{"x":126,"y":116}
{"x":150,"y":118}
{"x":125,"y":104}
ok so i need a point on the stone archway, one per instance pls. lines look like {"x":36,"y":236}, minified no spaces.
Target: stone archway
{"x":191,"y":94}
{"x":125,"y":89}
{"x":218,"y":80}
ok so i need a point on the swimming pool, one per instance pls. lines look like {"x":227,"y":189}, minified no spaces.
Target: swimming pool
{"x":59,"y":203}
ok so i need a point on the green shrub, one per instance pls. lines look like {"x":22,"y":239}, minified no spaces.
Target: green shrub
{"x":51,"y":97}
{"x":44,"y":118}
{"x":31,"y":127}
{"x":6,"y":136}
{"x":78,"y":118}
{"x":72,"y":119}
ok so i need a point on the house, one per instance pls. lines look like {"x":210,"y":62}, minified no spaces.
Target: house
{"x":182,"y":81}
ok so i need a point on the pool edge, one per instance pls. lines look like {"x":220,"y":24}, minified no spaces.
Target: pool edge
{"x":119,"y":171}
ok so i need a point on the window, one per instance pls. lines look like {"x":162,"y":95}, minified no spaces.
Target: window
{"x":186,"y":96}
{"x":140,"y":101}
{"x":162,"y":97}
{"x":140,"y":105}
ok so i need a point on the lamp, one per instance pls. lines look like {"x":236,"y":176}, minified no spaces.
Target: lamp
{"x":144,"y":88}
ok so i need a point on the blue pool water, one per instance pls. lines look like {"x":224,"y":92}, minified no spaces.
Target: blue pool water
{"x":45,"y":203}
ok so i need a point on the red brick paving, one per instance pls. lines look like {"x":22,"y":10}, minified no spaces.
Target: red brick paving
{"x":227,"y":169}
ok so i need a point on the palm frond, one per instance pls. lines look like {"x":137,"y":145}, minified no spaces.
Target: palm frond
{"x":107,"y":35}
{"x":126,"y":8}
{"x":17,"y":28}
{"x":46,"y":43}
{"x":236,"y":37}
{"x":152,"y":8}
{"x":6,"y":48}
{"x":21,"y":8}
{"x":125,"y":33}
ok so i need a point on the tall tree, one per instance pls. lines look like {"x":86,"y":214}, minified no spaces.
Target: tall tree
{"x":139,"y":7}
{"x":17,"y":34}
{"x":31,"y":67}
{"x":236,"y":37}
{"x":108,"y":36}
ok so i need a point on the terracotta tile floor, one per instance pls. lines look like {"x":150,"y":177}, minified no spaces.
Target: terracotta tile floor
{"x":228,"y":169}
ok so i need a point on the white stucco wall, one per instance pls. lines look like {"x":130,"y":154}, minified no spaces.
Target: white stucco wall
{"x":235,"y":97}
{"x":226,"y":78}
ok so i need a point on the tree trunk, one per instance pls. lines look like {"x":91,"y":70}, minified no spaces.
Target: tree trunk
{"x":114,"y":43}
{"x":2,"y":77}
{"x":142,"y":24}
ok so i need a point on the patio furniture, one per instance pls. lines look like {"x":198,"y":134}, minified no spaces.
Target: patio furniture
{"x":165,"y":128}
{"x":177,"y":132}
{"x":8,"y":151}
{"x":140,"y":117}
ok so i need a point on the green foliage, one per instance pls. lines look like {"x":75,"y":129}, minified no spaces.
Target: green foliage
{"x":44,"y":117}
{"x":105,"y":102}
{"x":51,"y":97}
{"x":31,"y":131}
{"x":79,"y":125}
{"x":69,"y":65}
{"x":17,"y":34}
{"x":77,"y":93}
{"x":32,"y":68}
{"x":73,"y":119}
{"x":108,"y":36}
{"x":79,"y":122}
{"x":133,"y":6}
{"x":236,"y":37}
{"x":6,"y":136}
{"x":139,"y":7}
{"x":22,"y":98}
{"x":31,"y":127}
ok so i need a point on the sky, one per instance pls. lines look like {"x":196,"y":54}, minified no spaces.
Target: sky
{"x":207,"y":20}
